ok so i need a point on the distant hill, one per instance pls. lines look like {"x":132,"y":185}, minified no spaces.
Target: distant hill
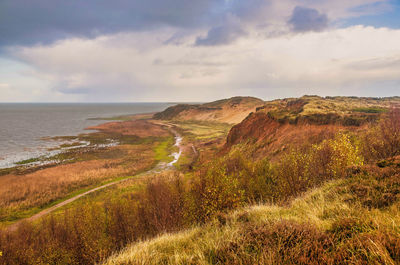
{"x":347,"y":111}
{"x":232,"y":110}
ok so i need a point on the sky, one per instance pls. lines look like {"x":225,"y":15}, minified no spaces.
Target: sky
{"x":197,"y":50}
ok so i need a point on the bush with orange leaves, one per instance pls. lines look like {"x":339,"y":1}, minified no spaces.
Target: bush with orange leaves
{"x":383,"y":140}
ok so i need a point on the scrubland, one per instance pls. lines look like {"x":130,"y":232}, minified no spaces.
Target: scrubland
{"x":332,"y":199}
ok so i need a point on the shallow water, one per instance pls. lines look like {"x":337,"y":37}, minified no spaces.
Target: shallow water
{"x":23,"y":125}
{"x":176,"y":155}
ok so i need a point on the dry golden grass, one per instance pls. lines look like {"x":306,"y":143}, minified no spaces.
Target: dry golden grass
{"x":19,"y":193}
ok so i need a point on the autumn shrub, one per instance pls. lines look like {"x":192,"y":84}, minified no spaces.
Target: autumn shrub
{"x":344,"y":152}
{"x":162,"y":205}
{"x":213,"y":191}
{"x":302,"y":169}
{"x":383,"y":140}
{"x":256,"y":178}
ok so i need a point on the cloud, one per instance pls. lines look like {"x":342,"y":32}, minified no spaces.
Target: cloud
{"x":27,"y":22}
{"x":307,"y":19}
{"x":325,"y":63}
{"x":178,"y":50}
{"x":220,"y":35}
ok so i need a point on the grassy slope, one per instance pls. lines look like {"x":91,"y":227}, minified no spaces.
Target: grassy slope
{"x":203,"y":130}
{"x":325,"y":211}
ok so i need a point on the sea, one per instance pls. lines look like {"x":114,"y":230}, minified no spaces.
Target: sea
{"x":26,"y":128}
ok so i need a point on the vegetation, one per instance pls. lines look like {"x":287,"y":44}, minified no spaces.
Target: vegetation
{"x":331,"y":200}
{"x":28,"y":161}
{"x":348,"y":111}
{"x":203,"y":130}
{"x":327,"y":225}
{"x":22,"y":196}
{"x":163,"y":150}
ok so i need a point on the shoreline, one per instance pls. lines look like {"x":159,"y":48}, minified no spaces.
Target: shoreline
{"x":157,"y":167}
{"x":62,"y":144}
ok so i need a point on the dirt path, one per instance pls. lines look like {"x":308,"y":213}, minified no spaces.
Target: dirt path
{"x":160,"y":167}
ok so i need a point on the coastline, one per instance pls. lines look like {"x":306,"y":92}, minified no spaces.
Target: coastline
{"x":159,"y":167}
{"x":30,"y":130}
{"x":53,"y":146}
{"x":151,"y":154}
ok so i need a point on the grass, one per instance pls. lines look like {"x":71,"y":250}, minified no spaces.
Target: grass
{"x":28,"y":161}
{"x":370,"y":110}
{"x":240,"y":237}
{"x":163,"y":150}
{"x":203,"y":130}
{"x":131,"y":185}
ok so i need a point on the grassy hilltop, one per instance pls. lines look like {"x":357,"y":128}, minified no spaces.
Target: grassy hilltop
{"x":307,"y":180}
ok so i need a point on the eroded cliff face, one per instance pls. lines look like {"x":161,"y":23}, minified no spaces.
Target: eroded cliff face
{"x":232,"y":110}
{"x":255,"y":128}
{"x":267,"y":137}
{"x":293,"y":122}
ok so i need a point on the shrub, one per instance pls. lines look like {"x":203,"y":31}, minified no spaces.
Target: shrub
{"x":302,"y":169}
{"x":383,"y":140}
{"x":162,"y":205}
{"x":213,"y":191}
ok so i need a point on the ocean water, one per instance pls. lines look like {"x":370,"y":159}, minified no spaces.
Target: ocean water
{"x":24,"y":125}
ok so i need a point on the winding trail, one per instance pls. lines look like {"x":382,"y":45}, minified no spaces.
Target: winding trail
{"x":157,"y":169}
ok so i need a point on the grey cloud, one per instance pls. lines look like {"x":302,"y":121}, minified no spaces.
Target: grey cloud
{"x":305,"y":19}
{"x":27,"y":22}
{"x":220,"y":35}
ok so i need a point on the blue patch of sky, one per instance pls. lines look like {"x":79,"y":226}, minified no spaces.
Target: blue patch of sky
{"x":380,"y":15}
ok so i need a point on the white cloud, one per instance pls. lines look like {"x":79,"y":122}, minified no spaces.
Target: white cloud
{"x":139,"y":67}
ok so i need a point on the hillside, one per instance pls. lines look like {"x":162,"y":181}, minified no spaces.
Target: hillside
{"x":332,"y":142}
{"x":308,"y":119}
{"x":232,"y":110}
